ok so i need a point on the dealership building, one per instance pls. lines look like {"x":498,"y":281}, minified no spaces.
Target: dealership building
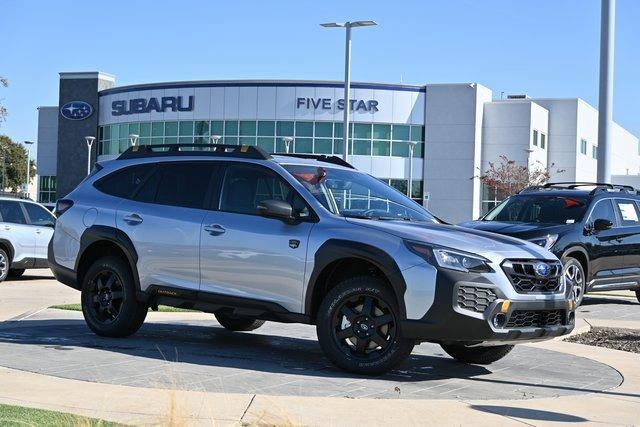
{"x":457,"y":129}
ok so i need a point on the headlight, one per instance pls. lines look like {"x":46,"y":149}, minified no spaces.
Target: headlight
{"x":546,"y":242}
{"x":449,"y":258}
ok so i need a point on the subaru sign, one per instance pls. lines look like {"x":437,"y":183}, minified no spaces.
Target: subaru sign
{"x":159,"y":105}
{"x":76,"y":110}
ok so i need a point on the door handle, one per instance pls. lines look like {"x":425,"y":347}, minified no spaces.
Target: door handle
{"x":38,"y":231}
{"x":132,"y":219}
{"x":6,"y":227}
{"x":214,"y":229}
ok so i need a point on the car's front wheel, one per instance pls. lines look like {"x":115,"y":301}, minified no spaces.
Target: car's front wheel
{"x":238,"y":323}
{"x":358,"y":326}
{"x":575,"y":279}
{"x":477,"y":355}
{"x":109,"y":303}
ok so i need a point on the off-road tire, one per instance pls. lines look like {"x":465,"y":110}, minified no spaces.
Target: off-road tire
{"x":477,"y":355}
{"x":238,"y":324}
{"x":342,"y":345}
{"x":4,"y":265}
{"x":130,"y":312}
{"x":14,"y":273}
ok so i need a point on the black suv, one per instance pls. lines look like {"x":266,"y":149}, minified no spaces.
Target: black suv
{"x":593,"y":228}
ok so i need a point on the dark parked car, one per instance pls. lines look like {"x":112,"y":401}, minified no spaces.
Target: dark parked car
{"x":593,"y":228}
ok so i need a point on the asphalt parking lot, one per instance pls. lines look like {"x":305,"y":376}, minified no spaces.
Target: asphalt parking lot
{"x":190,"y":351}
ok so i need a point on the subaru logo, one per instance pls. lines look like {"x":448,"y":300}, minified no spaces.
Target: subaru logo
{"x":76,"y":110}
{"x":542,"y":269}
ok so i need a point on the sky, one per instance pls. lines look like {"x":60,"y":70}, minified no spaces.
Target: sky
{"x":542,"y":48}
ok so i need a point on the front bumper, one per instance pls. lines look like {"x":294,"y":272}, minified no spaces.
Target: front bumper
{"x":448,"y":322}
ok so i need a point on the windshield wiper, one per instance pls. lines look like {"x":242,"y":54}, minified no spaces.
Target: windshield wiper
{"x":358,"y":216}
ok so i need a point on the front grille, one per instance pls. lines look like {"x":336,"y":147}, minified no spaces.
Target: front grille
{"x":526,"y":280}
{"x":475,"y":298}
{"x":535,"y":319}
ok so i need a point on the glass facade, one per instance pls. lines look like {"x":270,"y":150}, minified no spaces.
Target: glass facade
{"x":309,"y":137}
{"x":47,"y":189}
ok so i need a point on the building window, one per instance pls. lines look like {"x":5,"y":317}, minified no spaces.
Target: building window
{"x":47,"y":189}
{"x":491,"y":198}
{"x":594,"y":151}
{"x":535,"y":137}
{"x":543,"y":140}
{"x":379,"y":139}
{"x":583,"y":146}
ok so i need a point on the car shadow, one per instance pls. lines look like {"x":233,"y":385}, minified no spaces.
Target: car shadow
{"x":215,"y":346}
{"x":595,"y":300}
{"x":529,"y":414}
{"x":28,"y":278}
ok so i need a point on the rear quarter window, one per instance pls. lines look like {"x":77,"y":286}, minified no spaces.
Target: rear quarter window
{"x":123,"y":182}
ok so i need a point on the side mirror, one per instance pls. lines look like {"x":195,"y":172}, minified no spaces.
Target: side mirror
{"x":276,"y":209}
{"x":602,"y":224}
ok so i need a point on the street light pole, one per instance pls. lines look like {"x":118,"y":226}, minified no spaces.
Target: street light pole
{"x":28,"y":144}
{"x":89,"y":140}
{"x":347,"y":75}
{"x":287,"y":142}
{"x":411,"y":144}
{"x":605,"y":103}
{"x":133,"y":138}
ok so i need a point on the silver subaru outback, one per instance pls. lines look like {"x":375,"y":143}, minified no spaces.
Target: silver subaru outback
{"x":249,"y":237}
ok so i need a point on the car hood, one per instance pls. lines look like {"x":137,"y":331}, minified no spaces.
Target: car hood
{"x":521,"y":230}
{"x":492,"y":246}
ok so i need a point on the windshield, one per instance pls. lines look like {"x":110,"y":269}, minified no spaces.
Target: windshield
{"x":548,"y":209}
{"x":357,"y":195}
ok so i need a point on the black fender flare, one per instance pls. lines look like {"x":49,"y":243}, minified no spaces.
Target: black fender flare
{"x":98,"y":233}
{"x":335,"y":249}
{"x":582,"y":251}
{"x":10,"y":250}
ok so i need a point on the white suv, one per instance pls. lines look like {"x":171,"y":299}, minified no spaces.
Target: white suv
{"x":26,"y":228}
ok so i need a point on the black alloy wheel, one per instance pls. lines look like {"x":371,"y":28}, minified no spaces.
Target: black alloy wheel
{"x":364,"y":327}
{"x":107,"y":296}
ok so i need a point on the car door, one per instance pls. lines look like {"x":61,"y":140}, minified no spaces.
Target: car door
{"x":603,"y":246}
{"x":247,"y":255}
{"x":42,"y":223}
{"x":629,"y":217}
{"x":18,"y":233}
{"x":163,"y":219}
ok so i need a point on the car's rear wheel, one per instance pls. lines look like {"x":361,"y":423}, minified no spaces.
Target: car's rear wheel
{"x":575,"y":278}
{"x":4,"y":265}
{"x":477,"y":355}
{"x":16,"y":272}
{"x":359,"y":329}
{"x":109,"y":303}
{"x":238,"y":323}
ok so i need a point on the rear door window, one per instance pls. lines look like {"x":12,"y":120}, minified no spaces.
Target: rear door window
{"x":38,"y":215}
{"x":123,"y":183}
{"x":183,"y":184}
{"x":11,"y":212}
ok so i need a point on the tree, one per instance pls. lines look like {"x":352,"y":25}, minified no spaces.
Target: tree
{"x":3,"y":110}
{"x":508,"y":177}
{"x":13,"y":162}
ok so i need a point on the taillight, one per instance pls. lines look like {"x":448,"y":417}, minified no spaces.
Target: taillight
{"x":62,"y":206}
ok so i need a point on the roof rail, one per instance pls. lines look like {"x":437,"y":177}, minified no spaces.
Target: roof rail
{"x":214,"y":150}
{"x":599,"y":186}
{"x":319,"y":157}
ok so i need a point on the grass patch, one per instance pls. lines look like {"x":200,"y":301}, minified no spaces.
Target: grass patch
{"x":21,"y":416}
{"x":161,"y":308}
